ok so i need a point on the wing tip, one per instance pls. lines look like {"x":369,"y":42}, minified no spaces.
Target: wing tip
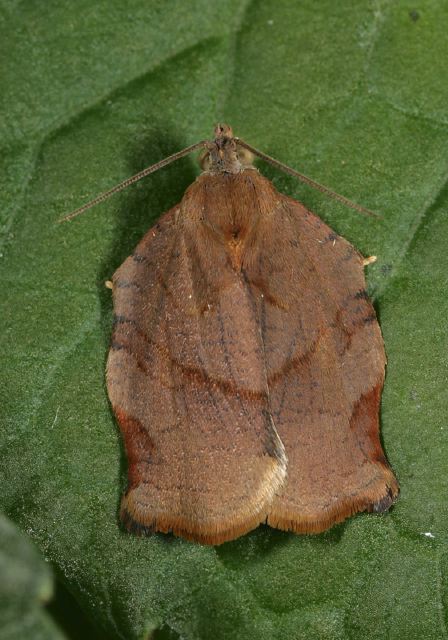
{"x":143,"y":520}
{"x":377,"y":500}
{"x":193,"y":531}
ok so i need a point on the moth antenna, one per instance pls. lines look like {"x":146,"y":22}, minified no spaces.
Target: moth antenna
{"x":306,"y":180}
{"x":138,"y":176}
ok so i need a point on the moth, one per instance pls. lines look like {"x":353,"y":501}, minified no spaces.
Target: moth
{"x":246,"y":363}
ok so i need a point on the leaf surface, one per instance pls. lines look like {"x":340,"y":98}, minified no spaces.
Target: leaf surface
{"x":352,"y":94}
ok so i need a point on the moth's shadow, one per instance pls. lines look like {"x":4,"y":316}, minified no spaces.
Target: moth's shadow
{"x":377,"y":308}
{"x":260,"y":543}
{"x":142,"y":204}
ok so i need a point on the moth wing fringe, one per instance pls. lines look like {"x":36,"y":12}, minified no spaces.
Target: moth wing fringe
{"x":343,"y":509}
{"x":213,"y":533}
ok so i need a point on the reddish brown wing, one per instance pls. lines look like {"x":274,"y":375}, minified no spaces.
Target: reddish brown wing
{"x":325,"y":366}
{"x":188,"y":386}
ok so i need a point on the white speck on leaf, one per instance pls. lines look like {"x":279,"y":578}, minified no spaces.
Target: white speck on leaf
{"x":56,"y":417}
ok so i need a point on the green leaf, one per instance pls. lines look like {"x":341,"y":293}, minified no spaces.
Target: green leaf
{"x":352,"y":94}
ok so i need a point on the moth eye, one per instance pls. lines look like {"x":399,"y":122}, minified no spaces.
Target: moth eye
{"x":204,"y":160}
{"x":245,"y":156}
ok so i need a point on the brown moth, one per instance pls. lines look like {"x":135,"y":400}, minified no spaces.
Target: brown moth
{"x":246,"y":363}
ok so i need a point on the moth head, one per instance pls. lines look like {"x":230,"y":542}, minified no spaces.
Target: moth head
{"x":223,"y":131}
{"x":224,"y":154}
